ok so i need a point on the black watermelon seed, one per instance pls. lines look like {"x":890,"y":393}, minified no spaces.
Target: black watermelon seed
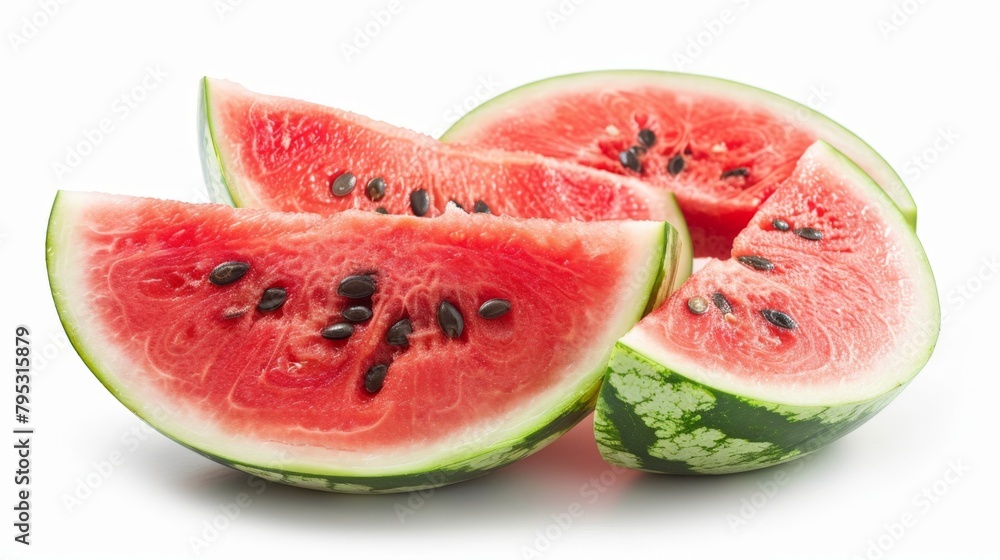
{"x":228,"y":272}
{"x":629,"y":161}
{"x":357,"y":313}
{"x":778,"y":318}
{"x":356,"y":287}
{"x":756,"y":262}
{"x":812,"y":234}
{"x":337,"y":331}
{"x":481,"y":207}
{"x":737,"y":172}
{"x":697,"y":305}
{"x":375,"y":377}
{"x":343,"y":184}
{"x":399,"y":334}
{"x":493,"y":308}
{"x":637,"y":150}
{"x":676,"y":165}
{"x":450,"y":320}
{"x":460,"y":207}
{"x":272,"y":299}
{"x":722,"y":303}
{"x":420,"y":202}
{"x":375,"y":189}
{"x":780,"y":225}
{"x":381,"y":210}
{"x":646,"y":137}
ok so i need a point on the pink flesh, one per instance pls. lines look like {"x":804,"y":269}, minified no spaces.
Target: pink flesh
{"x":271,"y":374}
{"x":287,"y":152}
{"x":712,"y":133}
{"x":849,"y":292}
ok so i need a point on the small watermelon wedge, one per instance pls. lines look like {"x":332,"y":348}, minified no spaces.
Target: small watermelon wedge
{"x":722,"y":147}
{"x":825,"y":311}
{"x":356,"y":353}
{"x":276,"y":153}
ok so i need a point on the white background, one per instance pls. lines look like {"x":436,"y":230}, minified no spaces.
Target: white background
{"x":926,"y":89}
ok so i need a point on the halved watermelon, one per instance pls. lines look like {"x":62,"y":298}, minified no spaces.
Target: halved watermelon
{"x":720,"y":146}
{"x":275,"y":153}
{"x":825,"y":311}
{"x":358,"y":353}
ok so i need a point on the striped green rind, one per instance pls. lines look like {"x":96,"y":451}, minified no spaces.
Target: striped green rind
{"x":653,"y":419}
{"x":479,"y":463}
{"x":827,"y":129}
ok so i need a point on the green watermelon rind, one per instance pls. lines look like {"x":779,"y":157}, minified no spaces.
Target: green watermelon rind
{"x":483,"y":463}
{"x":654,"y":419}
{"x":827,"y":128}
{"x":468,"y":463}
{"x":220,"y":185}
{"x":651,"y":417}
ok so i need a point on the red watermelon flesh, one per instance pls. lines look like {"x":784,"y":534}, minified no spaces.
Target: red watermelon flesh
{"x":721,"y":147}
{"x":284,"y":154}
{"x":203,"y":363}
{"x":276,"y":153}
{"x":848,"y":274}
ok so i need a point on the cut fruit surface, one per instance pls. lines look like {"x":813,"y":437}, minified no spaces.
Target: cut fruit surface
{"x":720,"y":146}
{"x":825,"y":311}
{"x":275,"y":153}
{"x":360,"y":352}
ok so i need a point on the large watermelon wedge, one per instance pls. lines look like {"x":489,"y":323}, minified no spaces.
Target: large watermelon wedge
{"x":276,"y":153}
{"x":358,"y":353}
{"x":720,"y":146}
{"x":825,"y":311}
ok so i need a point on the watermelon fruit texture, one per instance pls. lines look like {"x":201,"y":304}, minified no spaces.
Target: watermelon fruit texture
{"x":271,"y":342}
{"x":721,"y":147}
{"x":826,"y":309}
{"x":276,"y":153}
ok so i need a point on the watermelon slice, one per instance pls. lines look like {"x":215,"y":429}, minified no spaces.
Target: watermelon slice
{"x":720,"y":146}
{"x":275,"y":153}
{"x":359,"y":353}
{"x":825,"y":311}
